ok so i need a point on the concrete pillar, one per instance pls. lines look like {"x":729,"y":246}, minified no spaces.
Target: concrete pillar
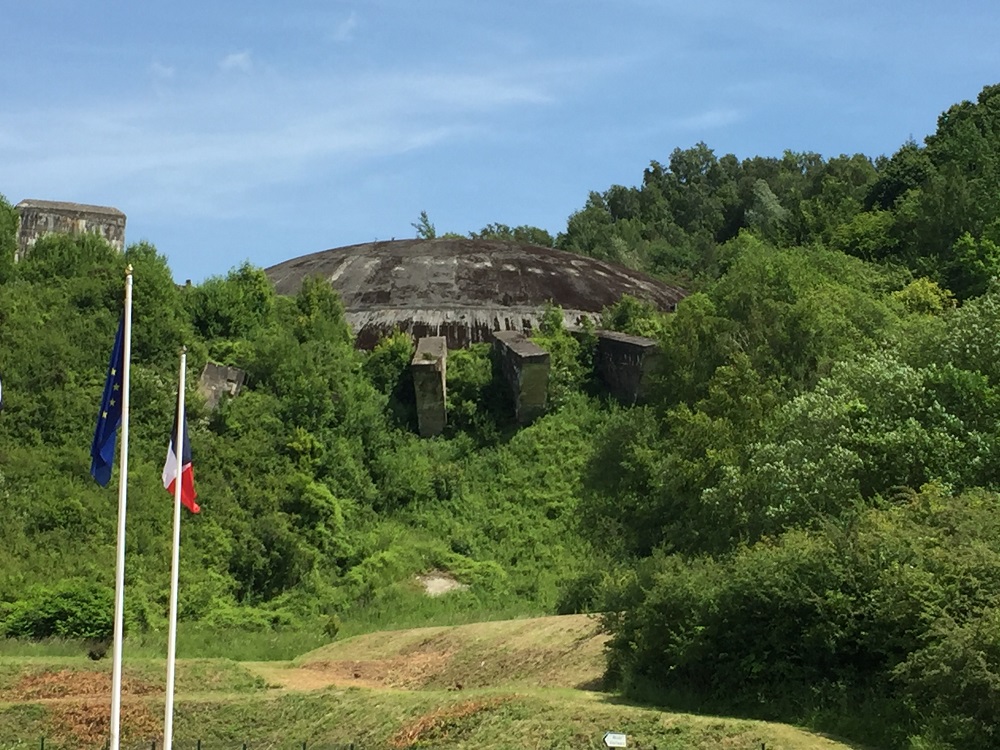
{"x":429,"y":368}
{"x":217,"y":380}
{"x":627,"y":364}
{"x":525,"y":368}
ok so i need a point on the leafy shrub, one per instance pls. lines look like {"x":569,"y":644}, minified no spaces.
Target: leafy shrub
{"x":232,"y":307}
{"x":70,"y":609}
{"x":634,"y":316}
{"x":955,"y":681}
{"x":251,"y":619}
{"x":894,"y":602}
{"x":331,"y":627}
{"x":571,"y":362}
{"x":388,"y":369}
{"x":602,"y":585}
{"x":475,"y":399}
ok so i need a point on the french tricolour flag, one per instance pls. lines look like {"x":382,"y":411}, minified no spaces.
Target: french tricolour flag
{"x":188,"y":494}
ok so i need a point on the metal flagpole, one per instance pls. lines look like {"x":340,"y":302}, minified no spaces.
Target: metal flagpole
{"x":116,"y":678}
{"x":168,"y":718}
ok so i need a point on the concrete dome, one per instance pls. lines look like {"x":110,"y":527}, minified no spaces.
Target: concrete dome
{"x":465,"y":289}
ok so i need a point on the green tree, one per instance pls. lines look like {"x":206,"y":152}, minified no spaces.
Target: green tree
{"x":907,"y":170}
{"x":570,"y":364}
{"x":388,"y":368}
{"x":8,"y":238}
{"x":868,"y":235}
{"x":425,"y":230}
{"x":925,"y":297}
{"x":766,"y":214}
{"x":236,"y":306}
{"x":157,"y":305}
{"x":522,"y":234}
{"x":634,"y":316}
{"x":974,"y":265}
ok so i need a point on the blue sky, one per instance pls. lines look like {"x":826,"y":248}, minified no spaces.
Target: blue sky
{"x":262,"y":131}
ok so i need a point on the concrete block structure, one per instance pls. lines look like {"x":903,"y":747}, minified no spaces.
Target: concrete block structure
{"x":429,"y":369}
{"x":525,"y":369}
{"x":218,"y":380}
{"x":469,"y":291}
{"x":627,"y":365}
{"x":37,"y":218}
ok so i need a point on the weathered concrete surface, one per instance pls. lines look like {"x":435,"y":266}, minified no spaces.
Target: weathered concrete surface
{"x":38,"y":218}
{"x":627,"y":365}
{"x":429,"y":368}
{"x":217,"y":380}
{"x":525,"y":369}
{"x":465,"y":289}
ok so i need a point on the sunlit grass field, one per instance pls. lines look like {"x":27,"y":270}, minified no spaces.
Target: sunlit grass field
{"x":526,"y":682}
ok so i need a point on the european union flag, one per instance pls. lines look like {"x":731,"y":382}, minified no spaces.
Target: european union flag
{"x":102,"y":451}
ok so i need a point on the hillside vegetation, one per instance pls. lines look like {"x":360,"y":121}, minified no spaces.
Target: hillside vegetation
{"x":802,"y":524}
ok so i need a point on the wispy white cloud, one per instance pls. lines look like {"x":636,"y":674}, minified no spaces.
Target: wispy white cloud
{"x":344,"y":30}
{"x":239,"y":61}
{"x":198,"y":148}
{"x":161,"y":71}
{"x":709,"y":119}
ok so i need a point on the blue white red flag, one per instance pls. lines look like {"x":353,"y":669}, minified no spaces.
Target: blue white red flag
{"x":170,"y":469}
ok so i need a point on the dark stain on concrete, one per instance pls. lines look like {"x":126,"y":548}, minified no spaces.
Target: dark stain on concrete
{"x":464,"y":289}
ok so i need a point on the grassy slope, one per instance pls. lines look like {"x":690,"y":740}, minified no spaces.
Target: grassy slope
{"x":514,"y":684}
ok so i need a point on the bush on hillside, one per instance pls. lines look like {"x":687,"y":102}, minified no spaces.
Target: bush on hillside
{"x":896,"y":601}
{"x":70,"y":609}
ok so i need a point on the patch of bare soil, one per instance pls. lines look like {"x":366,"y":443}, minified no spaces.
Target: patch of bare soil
{"x":438,"y":582}
{"x":68,"y":683}
{"x":438,"y":724}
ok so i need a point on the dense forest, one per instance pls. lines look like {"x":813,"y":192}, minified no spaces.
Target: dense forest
{"x":802,"y":524}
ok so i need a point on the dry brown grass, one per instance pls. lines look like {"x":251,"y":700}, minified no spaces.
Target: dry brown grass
{"x":68,"y":683}
{"x":436,"y":725}
{"x":539,"y":652}
{"x":88,"y":723}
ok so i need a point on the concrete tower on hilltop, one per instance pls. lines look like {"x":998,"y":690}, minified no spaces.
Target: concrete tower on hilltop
{"x":38,"y":218}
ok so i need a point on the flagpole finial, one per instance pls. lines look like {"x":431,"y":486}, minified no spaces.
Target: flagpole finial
{"x":128,"y":270}
{"x":184,"y":349}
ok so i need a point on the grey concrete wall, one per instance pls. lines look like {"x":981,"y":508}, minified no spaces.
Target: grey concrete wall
{"x":525,"y":369}
{"x":217,"y":380}
{"x":461,"y":326}
{"x":465,"y":289}
{"x":627,"y":365}
{"x":429,"y":369}
{"x":38,"y":218}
